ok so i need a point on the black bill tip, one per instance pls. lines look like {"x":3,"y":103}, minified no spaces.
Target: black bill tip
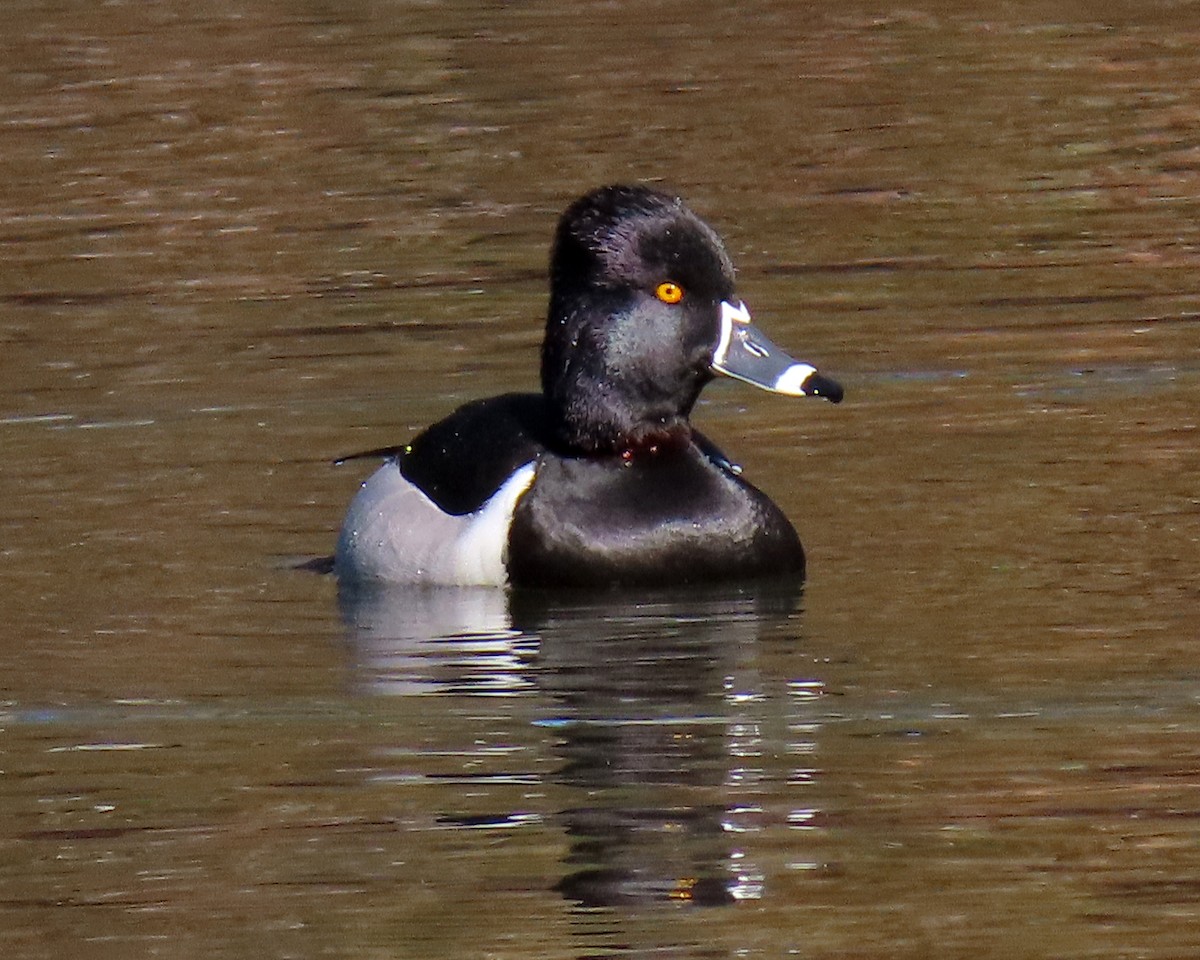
{"x":820,"y":386}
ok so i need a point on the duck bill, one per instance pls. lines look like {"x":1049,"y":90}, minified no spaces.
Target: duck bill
{"x":744,"y":353}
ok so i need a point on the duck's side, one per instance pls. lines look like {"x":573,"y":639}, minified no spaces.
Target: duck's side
{"x":443,"y":512}
{"x":393,"y":532}
{"x":439,"y":509}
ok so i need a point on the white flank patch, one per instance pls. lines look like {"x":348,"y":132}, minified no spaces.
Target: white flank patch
{"x":393,"y":532}
{"x":483,"y":545}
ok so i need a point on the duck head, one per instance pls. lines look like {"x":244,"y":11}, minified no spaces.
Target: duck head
{"x":643,"y":313}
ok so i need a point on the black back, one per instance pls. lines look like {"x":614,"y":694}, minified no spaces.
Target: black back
{"x":461,"y":461}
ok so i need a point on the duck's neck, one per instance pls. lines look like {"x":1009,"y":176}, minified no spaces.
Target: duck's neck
{"x":655,"y":443}
{"x":605,"y":429}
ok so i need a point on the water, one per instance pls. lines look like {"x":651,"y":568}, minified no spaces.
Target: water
{"x":244,"y":240}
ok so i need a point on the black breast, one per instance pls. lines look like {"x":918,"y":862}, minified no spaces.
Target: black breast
{"x":677,"y":517}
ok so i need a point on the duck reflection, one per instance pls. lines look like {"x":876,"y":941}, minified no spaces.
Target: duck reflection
{"x":655,"y":703}
{"x":448,"y":640}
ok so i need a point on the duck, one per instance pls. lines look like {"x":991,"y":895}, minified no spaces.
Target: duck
{"x":599,"y":479}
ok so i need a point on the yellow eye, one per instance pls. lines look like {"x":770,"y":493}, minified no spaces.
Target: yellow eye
{"x":669,"y":292}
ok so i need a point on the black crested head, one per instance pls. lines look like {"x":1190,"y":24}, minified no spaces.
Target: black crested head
{"x":636,"y":283}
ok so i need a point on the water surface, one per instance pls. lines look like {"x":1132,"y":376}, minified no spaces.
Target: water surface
{"x":242,"y":240}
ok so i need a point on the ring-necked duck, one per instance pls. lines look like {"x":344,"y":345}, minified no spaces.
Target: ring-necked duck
{"x":600,"y":478}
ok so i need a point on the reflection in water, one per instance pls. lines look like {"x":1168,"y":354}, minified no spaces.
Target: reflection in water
{"x":655,"y":697}
{"x":435,"y":640}
{"x":242,"y":237}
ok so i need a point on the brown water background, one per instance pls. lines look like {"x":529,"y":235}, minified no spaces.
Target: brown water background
{"x":242,"y":238}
